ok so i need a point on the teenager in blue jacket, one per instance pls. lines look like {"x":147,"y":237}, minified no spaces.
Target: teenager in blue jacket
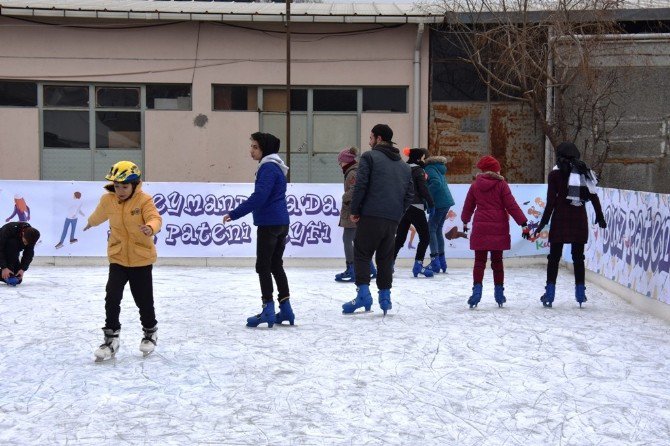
{"x":268,"y":206}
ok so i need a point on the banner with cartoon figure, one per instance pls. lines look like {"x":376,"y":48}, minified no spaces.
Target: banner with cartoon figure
{"x":192,"y":219}
{"x":634,"y":249}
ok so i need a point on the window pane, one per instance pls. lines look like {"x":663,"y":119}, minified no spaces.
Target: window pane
{"x":456,"y":81}
{"x":18,"y":94}
{"x":65,"y":129}
{"x":117,"y":97}
{"x":274,"y":100}
{"x":335,"y":100}
{"x":118,"y":130}
{"x":63,"y":96}
{"x":240,"y":98}
{"x":390,"y":99}
{"x":169,"y":96}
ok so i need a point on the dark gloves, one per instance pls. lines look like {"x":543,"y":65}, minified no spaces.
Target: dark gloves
{"x":525,"y":231}
{"x":465,"y":228}
{"x":601,"y":221}
{"x":537,"y":231}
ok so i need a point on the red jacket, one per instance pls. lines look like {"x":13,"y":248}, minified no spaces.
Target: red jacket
{"x":491,"y":197}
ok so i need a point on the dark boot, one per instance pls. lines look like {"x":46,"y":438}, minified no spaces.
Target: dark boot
{"x":266,"y":315}
{"x":548,"y":296}
{"x":285,"y":312}
{"x":385,"y":300}
{"x":348,"y":274}
{"x":476,"y":295}
{"x":580,"y":294}
{"x":499,"y":295}
{"x":363,"y":300}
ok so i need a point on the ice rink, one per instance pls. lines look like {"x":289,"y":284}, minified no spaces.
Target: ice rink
{"x":431,"y":372}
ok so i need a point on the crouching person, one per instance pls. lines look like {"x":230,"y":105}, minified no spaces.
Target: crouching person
{"x":15,"y":238}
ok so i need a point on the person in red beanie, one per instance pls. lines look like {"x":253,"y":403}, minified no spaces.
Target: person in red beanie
{"x":491,"y":202}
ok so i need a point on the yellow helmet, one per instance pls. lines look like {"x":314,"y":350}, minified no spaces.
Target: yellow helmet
{"x":124,"y":172}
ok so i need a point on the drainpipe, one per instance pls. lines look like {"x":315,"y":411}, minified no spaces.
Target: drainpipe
{"x":417,"y":86}
{"x":548,"y":147}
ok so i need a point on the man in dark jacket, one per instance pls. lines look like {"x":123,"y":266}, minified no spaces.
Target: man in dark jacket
{"x":14,"y":238}
{"x":382,"y":193}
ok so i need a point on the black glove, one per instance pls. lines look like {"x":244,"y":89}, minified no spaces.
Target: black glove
{"x":465,"y":228}
{"x":601,"y":222}
{"x":537,"y":231}
{"x":525,"y":232}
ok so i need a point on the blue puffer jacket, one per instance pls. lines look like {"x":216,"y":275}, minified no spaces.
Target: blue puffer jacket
{"x":268,"y":201}
{"x":436,"y":168}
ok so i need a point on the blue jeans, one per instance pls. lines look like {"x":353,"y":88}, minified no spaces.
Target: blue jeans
{"x":435,"y":224}
{"x":68,"y":222}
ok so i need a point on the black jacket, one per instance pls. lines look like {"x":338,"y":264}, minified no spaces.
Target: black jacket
{"x":421,"y":192}
{"x":11,"y":246}
{"x":383,"y":184}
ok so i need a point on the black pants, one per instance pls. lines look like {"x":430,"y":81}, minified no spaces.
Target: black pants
{"x":555,"y":252}
{"x":269,"y":262}
{"x":374,"y":236}
{"x":416,"y":217}
{"x":141,"y":287}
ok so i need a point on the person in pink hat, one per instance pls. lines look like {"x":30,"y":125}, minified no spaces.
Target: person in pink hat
{"x":490,"y":200}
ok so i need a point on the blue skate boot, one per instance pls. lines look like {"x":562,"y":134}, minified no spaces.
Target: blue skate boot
{"x":385,"y":300}
{"x":580,"y":294}
{"x":285,"y":312}
{"x":476,"y":295}
{"x":498,"y":291}
{"x":13,"y":281}
{"x":373,"y":270}
{"x":443,"y":262}
{"x":348,"y":275}
{"x":434,"y":263}
{"x":363,"y":299}
{"x":548,"y":296}
{"x":420,"y":269}
{"x":266,"y":315}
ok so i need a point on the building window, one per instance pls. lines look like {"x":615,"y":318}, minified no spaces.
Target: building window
{"x":117,"y":97}
{"x":234,"y":98}
{"x":169,"y":96}
{"x":274,"y":100}
{"x":385,"y":99}
{"x":335,"y":100}
{"x":118,"y":130}
{"x":65,"y":96}
{"x":66,"y":129}
{"x":18,"y":94}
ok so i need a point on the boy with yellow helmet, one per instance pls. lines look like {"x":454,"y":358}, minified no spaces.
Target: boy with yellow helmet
{"x":133,"y":221}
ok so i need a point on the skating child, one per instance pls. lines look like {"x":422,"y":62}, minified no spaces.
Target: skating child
{"x":133,"y":221}
{"x":570,"y":185}
{"x":436,"y":169}
{"x":16,"y":237}
{"x":270,"y":211}
{"x":491,"y":201}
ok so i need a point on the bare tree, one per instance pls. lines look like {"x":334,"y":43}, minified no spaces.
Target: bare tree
{"x":544,"y":54}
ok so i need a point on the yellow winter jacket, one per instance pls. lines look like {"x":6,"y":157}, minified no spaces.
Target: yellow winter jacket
{"x":126,"y":244}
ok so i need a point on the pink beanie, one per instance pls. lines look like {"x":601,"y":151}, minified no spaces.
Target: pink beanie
{"x":347,"y":155}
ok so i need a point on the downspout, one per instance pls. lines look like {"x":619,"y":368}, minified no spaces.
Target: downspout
{"x":417,"y":86}
{"x":549,"y":115}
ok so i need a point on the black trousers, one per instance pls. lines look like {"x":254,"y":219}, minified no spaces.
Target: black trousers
{"x":269,"y":261}
{"x":374,"y":236}
{"x":554,"y":257}
{"x":141,"y":287}
{"x":417,"y":217}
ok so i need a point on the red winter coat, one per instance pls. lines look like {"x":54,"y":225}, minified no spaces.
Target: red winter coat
{"x":494,"y":203}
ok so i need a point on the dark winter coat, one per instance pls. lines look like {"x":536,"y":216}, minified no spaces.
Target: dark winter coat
{"x":11,"y":245}
{"x":421,"y":193}
{"x":492,"y":202}
{"x":384,"y":186}
{"x":436,"y":169}
{"x":569,"y":223}
{"x":268,"y":201}
{"x":349,"y":182}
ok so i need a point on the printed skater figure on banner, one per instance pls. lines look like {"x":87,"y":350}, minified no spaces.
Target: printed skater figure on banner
{"x":73,"y":212}
{"x":491,"y":201}
{"x":571,"y":184}
{"x":270,"y":213}
{"x":347,"y":161}
{"x":16,"y":239}
{"x":382,"y":193}
{"x":133,"y":222}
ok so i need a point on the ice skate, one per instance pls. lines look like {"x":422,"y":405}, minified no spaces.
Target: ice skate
{"x":385,"y":300}
{"x":476,"y":295}
{"x":148,"y":342}
{"x":434,"y":263}
{"x":267,"y":315}
{"x":363,"y":300}
{"x":285,"y":313}
{"x":580,"y":294}
{"x":348,"y":275}
{"x":110,"y":346}
{"x":499,"y":295}
{"x":420,"y":269}
{"x":548,"y":296}
{"x":443,"y":262}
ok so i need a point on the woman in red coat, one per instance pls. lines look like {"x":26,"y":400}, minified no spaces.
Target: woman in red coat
{"x":491,"y":200}
{"x":570,"y":185}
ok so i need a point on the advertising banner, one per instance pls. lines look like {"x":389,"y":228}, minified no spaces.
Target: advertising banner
{"x":192,"y":219}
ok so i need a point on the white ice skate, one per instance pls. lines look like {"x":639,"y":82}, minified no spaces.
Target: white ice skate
{"x":108,"y":349}
{"x":148,"y":343}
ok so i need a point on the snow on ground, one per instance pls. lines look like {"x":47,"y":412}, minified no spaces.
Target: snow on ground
{"x":431,"y":372}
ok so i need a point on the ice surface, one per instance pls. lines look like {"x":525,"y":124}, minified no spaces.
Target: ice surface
{"x":432,"y":372}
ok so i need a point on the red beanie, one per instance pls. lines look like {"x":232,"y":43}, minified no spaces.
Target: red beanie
{"x":488,"y":164}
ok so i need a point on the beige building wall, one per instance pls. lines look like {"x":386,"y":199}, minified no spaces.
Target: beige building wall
{"x":176,"y":149}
